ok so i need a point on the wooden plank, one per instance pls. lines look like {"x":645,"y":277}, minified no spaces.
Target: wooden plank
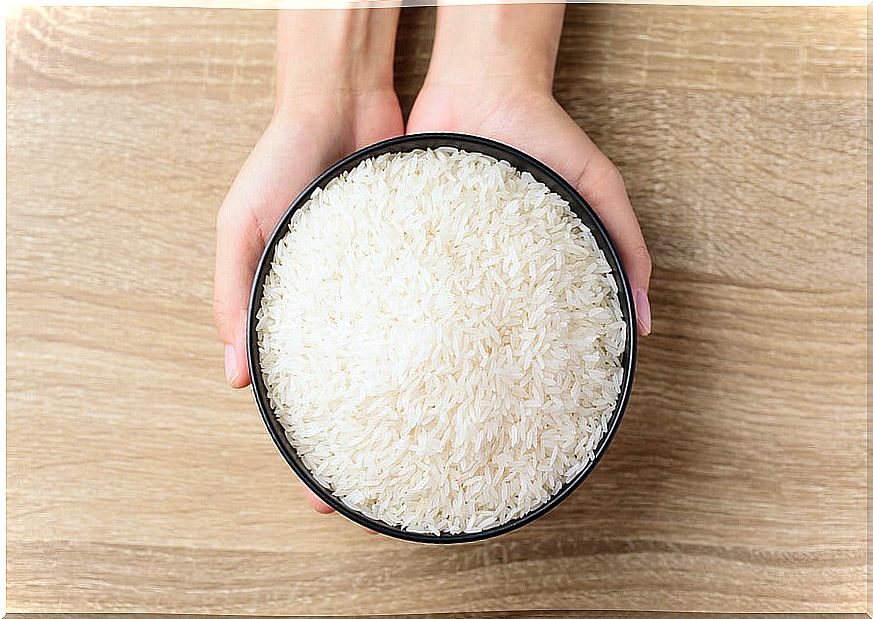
{"x":137,"y":482}
{"x":229,"y":54}
{"x":524,"y":614}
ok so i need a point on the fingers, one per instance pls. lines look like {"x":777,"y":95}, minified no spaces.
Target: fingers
{"x":237,"y":249}
{"x":317,"y":504}
{"x":323,"y":508}
{"x":552,"y":136}
{"x":601,"y":184}
{"x":574,"y":156}
{"x":267,"y":182}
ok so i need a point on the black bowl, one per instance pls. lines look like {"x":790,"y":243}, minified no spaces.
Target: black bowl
{"x":522,"y":162}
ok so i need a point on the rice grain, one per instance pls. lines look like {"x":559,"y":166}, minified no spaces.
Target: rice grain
{"x":441,"y":339}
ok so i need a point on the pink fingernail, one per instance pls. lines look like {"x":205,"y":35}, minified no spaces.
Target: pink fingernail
{"x":231,"y":372}
{"x":644,"y":312}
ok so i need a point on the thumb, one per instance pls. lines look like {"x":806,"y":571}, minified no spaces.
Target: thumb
{"x":238,"y":247}
{"x":275,"y":172}
{"x":602,"y":185}
{"x":574,"y":156}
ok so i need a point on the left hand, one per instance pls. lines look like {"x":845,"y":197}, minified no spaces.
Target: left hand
{"x":491,"y":75}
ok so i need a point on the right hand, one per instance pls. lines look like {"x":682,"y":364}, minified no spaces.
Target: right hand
{"x":293,"y":150}
{"x":334,"y":95}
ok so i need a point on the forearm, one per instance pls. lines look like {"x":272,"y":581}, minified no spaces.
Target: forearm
{"x":341,"y":54}
{"x":497,"y":45}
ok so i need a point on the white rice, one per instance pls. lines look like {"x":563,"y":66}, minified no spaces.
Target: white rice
{"x":440,"y":337}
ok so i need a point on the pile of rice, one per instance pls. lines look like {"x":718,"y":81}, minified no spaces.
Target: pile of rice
{"x":440,"y":337}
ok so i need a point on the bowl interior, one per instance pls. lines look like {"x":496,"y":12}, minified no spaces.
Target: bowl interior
{"x":523,"y":163}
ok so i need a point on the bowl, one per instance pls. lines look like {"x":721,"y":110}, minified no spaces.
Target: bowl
{"x":523,"y":163}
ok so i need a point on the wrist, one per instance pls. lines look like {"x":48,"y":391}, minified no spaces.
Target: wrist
{"x":334,"y":105}
{"x":333,"y":56}
{"x":507,"y":48}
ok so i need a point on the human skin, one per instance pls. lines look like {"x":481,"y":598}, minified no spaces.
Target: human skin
{"x":334,"y":94}
{"x":490,"y":74}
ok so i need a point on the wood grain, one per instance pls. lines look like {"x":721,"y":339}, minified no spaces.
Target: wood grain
{"x":523,"y":614}
{"x":138,"y":483}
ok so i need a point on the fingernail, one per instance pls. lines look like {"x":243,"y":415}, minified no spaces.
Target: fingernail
{"x":644,"y":312}
{"x":230,"y":369}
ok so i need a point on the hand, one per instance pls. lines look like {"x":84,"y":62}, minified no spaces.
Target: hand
{"x":491,"y":75}
{"x":322,"y":113}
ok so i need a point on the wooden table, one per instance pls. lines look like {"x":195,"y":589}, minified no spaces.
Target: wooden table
{"x":137,"y":482}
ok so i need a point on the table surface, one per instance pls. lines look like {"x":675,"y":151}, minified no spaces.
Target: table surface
{"x":138,"y":482}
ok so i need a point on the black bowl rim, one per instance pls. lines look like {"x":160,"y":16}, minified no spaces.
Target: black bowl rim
{"x":543,"y":174}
